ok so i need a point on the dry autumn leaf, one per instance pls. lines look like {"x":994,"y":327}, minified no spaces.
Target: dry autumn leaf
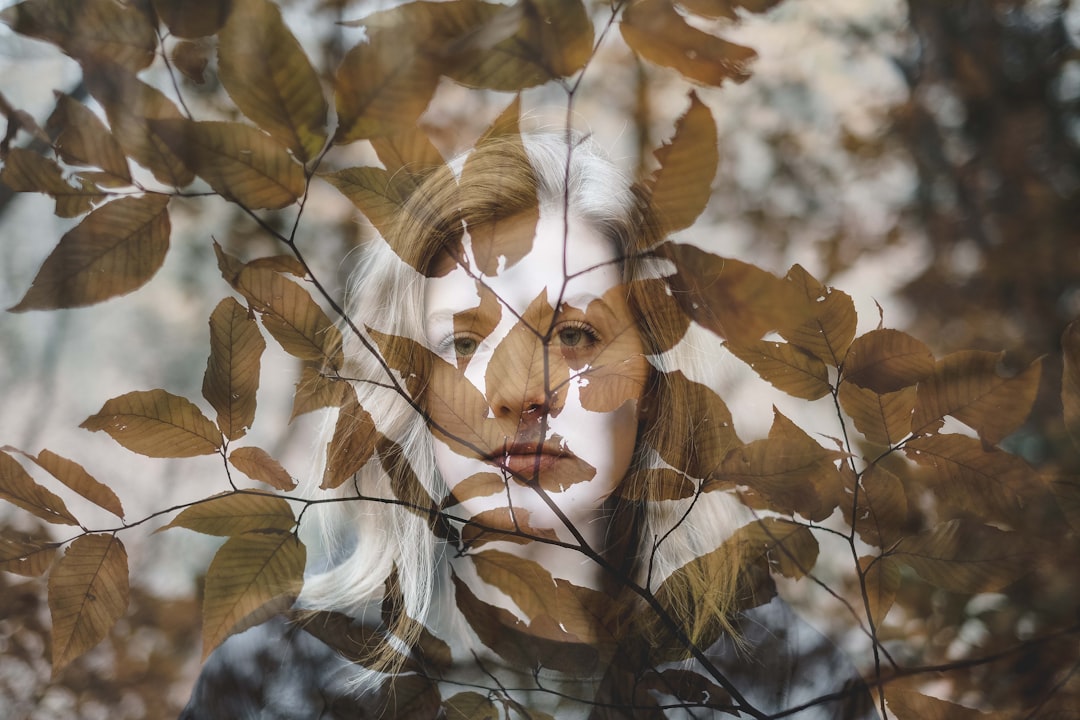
{"x":656,"y":31}
{"x":254,"y":576}
{"x":268,"y":76}
{"x":788,"y":472}
{"x":74,"y":476}
{"x":156,"y":423}
{"x":88,"y":593}
{"x":315,"y":391}
{"x":828,"y":331}
{"x":24,"y":555}
{"x":786,"y":367}
{"x":236,"y":513}
{"x":291,"y":315}
{"x":26,"y":171}
{"x":231,"y":379}
{"x":239,"y":162}
{"x":680,"y":188}
{"x":130,"y":105}
{"x":114,"y":250}
{"x":193,"y":18}
{"x":18,"y":488}
{"x":258,"y":464}
{"x":352,"y":444}
{"x":970,"y":386}
{"x":879,"y":513}
{"x":886,"y":360}
{"x":881,"y":581}
{"x":83,"y":139}
{"x":965,"y":556}
{"x":884,"y":418}
{"x":90,"y":30}
{"x":737,"y":301}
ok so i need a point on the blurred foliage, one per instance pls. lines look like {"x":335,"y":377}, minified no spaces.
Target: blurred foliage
{"x":989,"y":126}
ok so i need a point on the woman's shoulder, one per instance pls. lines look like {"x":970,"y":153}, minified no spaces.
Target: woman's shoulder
{"x":274,"y":671}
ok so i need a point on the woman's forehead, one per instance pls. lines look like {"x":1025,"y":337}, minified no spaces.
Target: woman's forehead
{"x":520,"y":256}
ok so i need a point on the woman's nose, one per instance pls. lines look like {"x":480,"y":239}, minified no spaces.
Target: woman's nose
{"x":519,"y":380}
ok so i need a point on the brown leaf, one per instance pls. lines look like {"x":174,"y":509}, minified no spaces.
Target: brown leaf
{"x":883,"y":418}
{"x":785,"y":366}
{"x":881,"y":579}
{"x":714,"y":434}
{"x":88,"y":593}
{"x":470,"y":706}
{"x":457,"y":411}
{"x":82,"y":139}
{"x":476,"y":486}
{"x":381,"y":86}
{"x":156,"y":423}
{"x":113,"y":251}
{"x":239,"y":162}
{"x":737,"y":301}
{"x":26,"y":171}
{"x":788,"y":473}
{"x":316,"y":391}
{"x":965,"y":556}
{"x":268,"y":76}
{"x":434,"y":652}
{"x":882,"y":507}
{"x":1066,"y":491}
{"x":191,"y":58}
{"x":975,"y":478}
{"x":257,"y":464}
{"x":518,"y":642}
{"x":582,"y":614}
{"x":404,"y":483}
{"x":499,"y":243}
{"x":615,"y":371}
{"x":236,"y":513}
{"x":74,"y":476}
{"x":130,"y":105}
{"x":411,"y":697}
{"x":680,"y":188}
{"x":24,"y":555}
{"x":291,"y":316}
{"x":408,"y":152}
{"x":886,"y":361}
{"x":1070,"y":379}
{"x":655,"y":31}
{"x":510,"y":48}
{"x":790,"y":548}
{"x":253,"y":577}
{"x":503,"y":525}
{"x":231,"y":379}
{"x":18,"y":488}
{"x":352,"y":444}
{"x":89,"y":30}
{"x":375,"y":192}
{"x":193,"y":18}
{"x":911,"y":705}
{"x":969,"y":386}
{"x":828,"y":332}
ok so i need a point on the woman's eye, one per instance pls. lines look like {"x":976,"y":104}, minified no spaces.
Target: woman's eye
{"x":464,"y":346}
{"x":573,"y":336}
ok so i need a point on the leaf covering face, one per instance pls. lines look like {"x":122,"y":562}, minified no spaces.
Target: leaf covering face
{"x":559,"y":388}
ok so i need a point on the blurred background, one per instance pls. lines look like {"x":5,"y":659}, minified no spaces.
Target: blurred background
{"x":922,"y":156}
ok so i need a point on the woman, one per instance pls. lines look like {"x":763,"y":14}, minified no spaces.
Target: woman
{"x":537,"y":398}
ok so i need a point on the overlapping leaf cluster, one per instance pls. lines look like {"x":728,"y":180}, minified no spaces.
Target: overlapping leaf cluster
{"x":915,"y":499}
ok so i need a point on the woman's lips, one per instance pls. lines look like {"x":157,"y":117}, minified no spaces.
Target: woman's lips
{"x":527,"y":459}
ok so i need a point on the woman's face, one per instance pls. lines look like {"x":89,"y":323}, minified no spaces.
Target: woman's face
{"x":533,"y":325}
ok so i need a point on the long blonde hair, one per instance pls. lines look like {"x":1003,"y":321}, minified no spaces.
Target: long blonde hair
{"x":363,"y":542}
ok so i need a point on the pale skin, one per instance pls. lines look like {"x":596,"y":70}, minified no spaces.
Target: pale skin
{"x":536,"y":367}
